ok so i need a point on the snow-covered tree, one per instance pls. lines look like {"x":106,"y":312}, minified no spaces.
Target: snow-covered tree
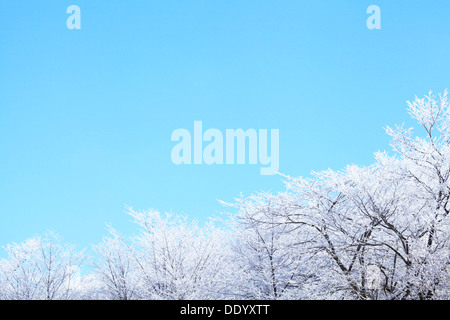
{"x":178,"y":259}
{"x":116,"y":268}
{"x":267,"y":257}
{"x":40,"y":268}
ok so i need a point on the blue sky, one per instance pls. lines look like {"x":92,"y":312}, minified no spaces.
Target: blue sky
{"x":86,"y":115}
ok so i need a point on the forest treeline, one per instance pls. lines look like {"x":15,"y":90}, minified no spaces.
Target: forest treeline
{"x":373,"y":232}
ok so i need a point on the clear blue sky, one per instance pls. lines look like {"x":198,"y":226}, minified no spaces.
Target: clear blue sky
{"x":86,"y":115}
